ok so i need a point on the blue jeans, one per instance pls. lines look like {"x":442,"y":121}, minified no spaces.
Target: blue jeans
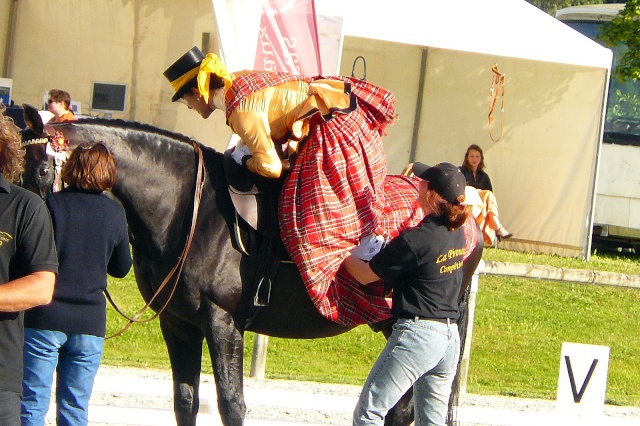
{"x":419,"y":353}
{"x":75,"y":358}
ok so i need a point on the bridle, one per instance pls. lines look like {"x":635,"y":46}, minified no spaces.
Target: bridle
{"x":177,"y":269}
{"x":56,"y":146}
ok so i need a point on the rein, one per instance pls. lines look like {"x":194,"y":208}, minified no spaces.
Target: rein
{"x":497,"y":89}
{"x":177,"y":269}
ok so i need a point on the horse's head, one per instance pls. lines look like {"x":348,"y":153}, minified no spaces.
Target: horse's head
{"x":39,"y":172}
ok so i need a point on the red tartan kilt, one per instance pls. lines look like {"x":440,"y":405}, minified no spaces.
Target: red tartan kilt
{"x":332,"y":198}
{"x":335,"y":293}
{"x":334,"y":195}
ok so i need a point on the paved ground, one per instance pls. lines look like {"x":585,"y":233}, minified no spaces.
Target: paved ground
{"x":128,"y":397}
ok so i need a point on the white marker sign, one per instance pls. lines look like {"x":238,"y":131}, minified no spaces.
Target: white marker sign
{"x":582,"y":382}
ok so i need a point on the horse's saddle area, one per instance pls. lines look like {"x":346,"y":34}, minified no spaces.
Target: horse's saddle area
{"x":342,"y":299}
{"x":255,"y":200}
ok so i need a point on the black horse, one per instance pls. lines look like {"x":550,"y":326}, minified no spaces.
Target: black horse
{"x":213,"y":298}
{"x":39,"y":172}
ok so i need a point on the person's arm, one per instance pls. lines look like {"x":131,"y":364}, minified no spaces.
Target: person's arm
{"x":23,"y":293}
{"x":37,"y":252}
{"x":120,"y":261}
{"x":253,"y":129}
{"x":360,"y":270}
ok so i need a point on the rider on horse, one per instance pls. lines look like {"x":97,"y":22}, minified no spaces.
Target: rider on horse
{"x":335,"y":190}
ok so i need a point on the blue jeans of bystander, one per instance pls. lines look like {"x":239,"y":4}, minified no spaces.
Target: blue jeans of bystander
{"x":75,"y":358}
{"x":419,"y":353}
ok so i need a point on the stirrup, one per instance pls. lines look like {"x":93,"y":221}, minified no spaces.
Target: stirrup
{"x":263,"y":293}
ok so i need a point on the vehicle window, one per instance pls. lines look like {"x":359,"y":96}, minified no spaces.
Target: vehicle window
{"x":622,"y":123}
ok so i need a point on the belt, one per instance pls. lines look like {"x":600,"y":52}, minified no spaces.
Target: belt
{"x":442,"y":320}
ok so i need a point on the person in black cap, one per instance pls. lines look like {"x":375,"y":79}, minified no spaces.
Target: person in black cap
{"x":423,"y":264}
{"x":333,"y":194}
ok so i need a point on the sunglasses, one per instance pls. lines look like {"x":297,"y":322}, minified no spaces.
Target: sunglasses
{"x":50,"y":101}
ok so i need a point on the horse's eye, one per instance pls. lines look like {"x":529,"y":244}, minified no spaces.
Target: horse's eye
{"x":44,"y":172}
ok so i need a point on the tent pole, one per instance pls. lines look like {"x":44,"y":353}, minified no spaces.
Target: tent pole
{"x":416,"y":120}
{"x":596,"y":169}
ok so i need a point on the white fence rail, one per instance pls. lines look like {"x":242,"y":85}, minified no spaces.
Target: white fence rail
{"x":561,"y":274}
{"x":543,"y":272}
{"x":524,"y":270}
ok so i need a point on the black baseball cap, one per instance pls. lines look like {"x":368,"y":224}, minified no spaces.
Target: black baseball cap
{"x":445,"y":178}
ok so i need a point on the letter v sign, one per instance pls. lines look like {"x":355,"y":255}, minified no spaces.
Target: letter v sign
{"x":582,"y":386}
{"x":577,"y":396}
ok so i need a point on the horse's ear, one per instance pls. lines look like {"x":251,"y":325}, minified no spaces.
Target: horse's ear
{"x":33,"y":119}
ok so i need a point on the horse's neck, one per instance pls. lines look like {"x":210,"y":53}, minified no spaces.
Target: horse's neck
{"x":155,"y":184}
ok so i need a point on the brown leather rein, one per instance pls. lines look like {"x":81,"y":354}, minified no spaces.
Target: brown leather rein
{"x":177,"y":269}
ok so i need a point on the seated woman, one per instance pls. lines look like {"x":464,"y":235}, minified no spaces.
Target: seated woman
{"x":487,"y":215}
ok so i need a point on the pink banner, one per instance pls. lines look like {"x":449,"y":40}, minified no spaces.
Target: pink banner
{"x":288,"y":38}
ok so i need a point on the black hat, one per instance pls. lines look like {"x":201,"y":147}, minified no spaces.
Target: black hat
{"x":445,"y":178}
{"x":186,"y":63}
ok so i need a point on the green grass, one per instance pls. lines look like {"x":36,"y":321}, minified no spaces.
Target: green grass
{"x":519,"y":328}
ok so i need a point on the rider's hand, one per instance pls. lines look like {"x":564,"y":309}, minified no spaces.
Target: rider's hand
{"x":239,"y":152}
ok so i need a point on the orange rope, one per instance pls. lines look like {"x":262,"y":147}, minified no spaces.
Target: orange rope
{"x":497,"y":90}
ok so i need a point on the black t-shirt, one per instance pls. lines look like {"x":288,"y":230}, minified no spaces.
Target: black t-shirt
{"x":424,"y":266}
{"x":26,"y":246}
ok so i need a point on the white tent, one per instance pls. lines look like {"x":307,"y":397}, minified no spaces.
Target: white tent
{"x":436,"y":56}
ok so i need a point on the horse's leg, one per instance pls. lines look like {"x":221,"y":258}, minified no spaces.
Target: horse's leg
{"x":184,"y":343}
{"x":226,"y":348}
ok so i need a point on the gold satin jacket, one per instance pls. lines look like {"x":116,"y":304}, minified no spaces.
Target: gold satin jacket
{"x":280,"y":114}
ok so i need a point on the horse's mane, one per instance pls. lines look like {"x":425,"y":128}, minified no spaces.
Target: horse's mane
{"x":142,"y":127}
{"x":210,"y":154}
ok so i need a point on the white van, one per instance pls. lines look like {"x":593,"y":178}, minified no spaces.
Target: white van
{"x":617,"y":213}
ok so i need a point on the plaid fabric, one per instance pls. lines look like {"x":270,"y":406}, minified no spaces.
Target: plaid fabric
{"x":375,"y":102}
{"x":344,"y":299}
{"x":335,"y":194}
{"x":255,"y":81}
{"x":341,"y":298}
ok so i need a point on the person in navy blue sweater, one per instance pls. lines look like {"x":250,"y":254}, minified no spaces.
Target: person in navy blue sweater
{"x":67,"y":336}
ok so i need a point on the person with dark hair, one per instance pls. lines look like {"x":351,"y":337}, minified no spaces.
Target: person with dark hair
{"x":487,"y":214}
{"x":28,"y":265}
{"x":59,"y":104}
{"x":423,"y":266}
{"x":68,"y":335}
{"x":333,"y":195}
